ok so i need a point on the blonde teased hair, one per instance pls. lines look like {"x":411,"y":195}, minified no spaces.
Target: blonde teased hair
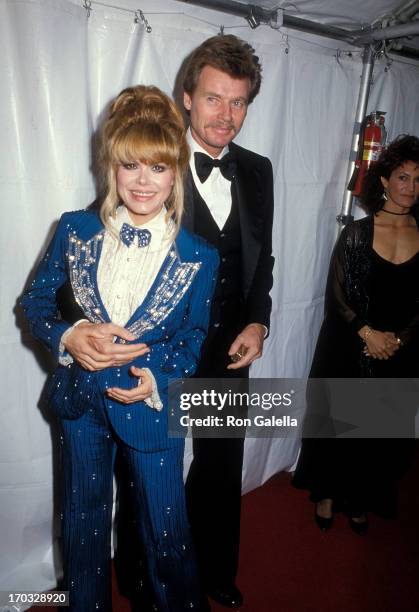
{"x":144,"y":125}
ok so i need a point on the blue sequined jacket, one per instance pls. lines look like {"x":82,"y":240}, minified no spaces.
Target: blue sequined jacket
{"x":172,"y":321}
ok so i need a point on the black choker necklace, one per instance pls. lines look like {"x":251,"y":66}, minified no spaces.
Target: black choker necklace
{"x":390,"y":212}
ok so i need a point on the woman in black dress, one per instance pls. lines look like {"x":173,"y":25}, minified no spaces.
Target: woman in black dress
{"x":370,"y":330}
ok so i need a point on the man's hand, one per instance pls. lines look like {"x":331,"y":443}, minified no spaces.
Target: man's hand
{"x":93,"y":346}
{"x":137,"y":394}
{"x":249,"y":343}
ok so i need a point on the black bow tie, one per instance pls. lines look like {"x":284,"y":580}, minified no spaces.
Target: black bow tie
{"x":127,"y":234}
{"x":204,"y":165}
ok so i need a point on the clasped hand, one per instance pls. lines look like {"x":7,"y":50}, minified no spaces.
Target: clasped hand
{"x":381,"y":345}
{"x":93,"y":346}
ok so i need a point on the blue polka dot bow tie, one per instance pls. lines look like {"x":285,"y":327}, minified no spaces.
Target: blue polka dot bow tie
{"x":204,"y":165}
{"x":128,"y":233}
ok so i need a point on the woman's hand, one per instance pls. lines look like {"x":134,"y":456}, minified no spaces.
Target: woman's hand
{"x":137,"y":394}
{"x":378,"y":344}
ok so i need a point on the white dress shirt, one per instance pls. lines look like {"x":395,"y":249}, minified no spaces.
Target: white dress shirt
{"x":125,"y":274}
{"x":216,"y":190}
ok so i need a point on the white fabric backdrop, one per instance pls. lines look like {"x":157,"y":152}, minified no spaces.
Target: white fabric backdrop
{"x":59,"y":70}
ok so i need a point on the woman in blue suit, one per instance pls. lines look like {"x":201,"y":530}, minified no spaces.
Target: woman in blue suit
{"x":140,"y":277}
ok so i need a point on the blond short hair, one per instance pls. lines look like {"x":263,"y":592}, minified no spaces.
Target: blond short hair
{"x":145,"y":125}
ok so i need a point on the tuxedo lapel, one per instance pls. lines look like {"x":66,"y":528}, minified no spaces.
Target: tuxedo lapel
{"x":188,"y":219}
{"x":245,"y":187}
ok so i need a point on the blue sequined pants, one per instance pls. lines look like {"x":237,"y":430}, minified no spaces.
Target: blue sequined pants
{"x":89,"y":446}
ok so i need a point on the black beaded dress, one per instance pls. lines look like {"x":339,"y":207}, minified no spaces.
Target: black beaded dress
{"x":363,"y":288}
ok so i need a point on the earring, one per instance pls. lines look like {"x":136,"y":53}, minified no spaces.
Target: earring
{"x":384,"y":196}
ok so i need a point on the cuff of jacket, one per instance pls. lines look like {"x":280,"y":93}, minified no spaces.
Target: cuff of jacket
{"x":53,"y":340}
{"x":64,"y":357}
{"x":357,"y":323}
{"x":154,"y":400}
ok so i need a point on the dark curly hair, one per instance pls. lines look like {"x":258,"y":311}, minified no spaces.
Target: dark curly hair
{"x":403,"y":149}
{"x":229,"y":54}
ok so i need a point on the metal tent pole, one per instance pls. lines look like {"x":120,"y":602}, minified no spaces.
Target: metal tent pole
{"x":234,"y":8}
{"x":364,"y":91}
{"x":263,"y":15}
{"x":312,"y":27}
{"x":397,"y":31}
{"x":406,"y":10}
{"x":255,"y":15}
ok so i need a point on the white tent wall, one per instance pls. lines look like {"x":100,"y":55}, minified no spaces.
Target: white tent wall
{"x":60,"y":70}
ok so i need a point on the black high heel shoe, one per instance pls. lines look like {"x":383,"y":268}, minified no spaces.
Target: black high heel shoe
{"x":358,"y":527}
{"x":323,"y":523}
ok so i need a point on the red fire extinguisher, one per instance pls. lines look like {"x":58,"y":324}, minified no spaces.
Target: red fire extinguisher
{"x":372,"y":138}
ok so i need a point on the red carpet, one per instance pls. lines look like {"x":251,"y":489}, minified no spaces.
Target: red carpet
{"x":287,"y":564}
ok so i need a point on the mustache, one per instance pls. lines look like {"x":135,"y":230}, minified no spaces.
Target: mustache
{"x":218,"y":124}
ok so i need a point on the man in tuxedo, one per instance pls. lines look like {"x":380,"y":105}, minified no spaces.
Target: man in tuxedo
{"x":229,"y":202}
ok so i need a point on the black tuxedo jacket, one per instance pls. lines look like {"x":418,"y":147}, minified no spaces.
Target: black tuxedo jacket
{"x":254,"y":190}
